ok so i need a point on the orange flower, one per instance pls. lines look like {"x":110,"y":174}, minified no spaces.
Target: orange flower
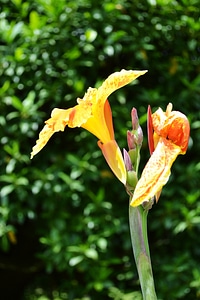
{"x":94,"y":114}
{"x":169,"y":137}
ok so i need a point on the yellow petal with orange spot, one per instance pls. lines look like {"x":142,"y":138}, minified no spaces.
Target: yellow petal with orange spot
{"x":156,"y":172}
{"x":92,"y":112}
{"x":116,"y":81}
{"x":57,"y":122}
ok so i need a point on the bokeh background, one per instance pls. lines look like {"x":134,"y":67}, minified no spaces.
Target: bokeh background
{"x":64,"y":230}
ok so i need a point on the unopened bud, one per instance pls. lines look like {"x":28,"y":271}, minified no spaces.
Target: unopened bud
{"x":135,"y":136}
{"x":131,"y":140}
{"x":134,"y":117}
{"x":139,"y":136}
{"x":127,"y":161}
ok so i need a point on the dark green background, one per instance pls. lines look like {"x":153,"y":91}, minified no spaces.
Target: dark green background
{"x":64,"y":230}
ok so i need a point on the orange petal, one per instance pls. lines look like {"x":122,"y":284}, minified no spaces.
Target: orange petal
{"x":114,"y":158}
{"x":150,"y":130}
{"x":178,"y":130}
{"x":108,"y":119}
{"x":156,"y":172}
{"x":172,"y":125}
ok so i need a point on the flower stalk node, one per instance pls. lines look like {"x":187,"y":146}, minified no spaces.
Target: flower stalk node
{"x":147,"y":205}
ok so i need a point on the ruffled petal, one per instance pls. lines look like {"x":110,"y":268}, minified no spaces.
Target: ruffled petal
{"x":57,"y":122}
{"x":172,"y":125}
{"x":92,"y":112}
{"x":84,"y":110}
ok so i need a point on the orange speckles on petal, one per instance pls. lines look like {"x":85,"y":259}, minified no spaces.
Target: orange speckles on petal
{"x":57,"y":122}
{"x":94,"y":114}
{"x":116,"y":81}
{"x":172,"y":125}
{"x":156,"y":172}
{"x":80,"y":114}
{"x":179,"y":131}
{"x":171,"y":131}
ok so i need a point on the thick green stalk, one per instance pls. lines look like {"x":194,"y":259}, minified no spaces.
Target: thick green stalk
{"x":139,"y":239}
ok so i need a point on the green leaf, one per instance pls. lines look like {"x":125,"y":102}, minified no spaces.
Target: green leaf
{"x":91,"y":253}
{"x":6,"y":190}
{"x":17,"y":103}
{"x":34,"y":20}
{"x":75,"y":260}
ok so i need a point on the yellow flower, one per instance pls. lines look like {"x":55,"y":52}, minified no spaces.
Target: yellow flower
{"x":170,"y":136}
{"x":93,"y":113}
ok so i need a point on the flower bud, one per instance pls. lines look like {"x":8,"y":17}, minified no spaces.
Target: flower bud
{"x":135,"y":136}
{"x":127,"y":161}
{"x":131,"y":140}
{"x":134,"y":117}
{"x":139,"y":136}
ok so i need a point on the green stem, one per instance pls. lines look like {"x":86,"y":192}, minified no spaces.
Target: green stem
{"x":139,"y":239}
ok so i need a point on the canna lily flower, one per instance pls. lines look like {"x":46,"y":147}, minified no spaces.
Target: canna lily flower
{"x":168,"y":137}
{"x":93,"y":113}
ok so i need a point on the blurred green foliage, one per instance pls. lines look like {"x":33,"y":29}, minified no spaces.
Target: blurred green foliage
{"x":64,"y":230}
